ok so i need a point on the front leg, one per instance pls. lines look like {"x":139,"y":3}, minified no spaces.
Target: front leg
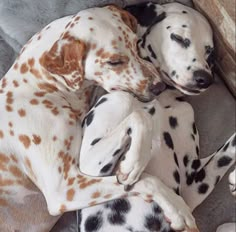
{"x":126,"y":134}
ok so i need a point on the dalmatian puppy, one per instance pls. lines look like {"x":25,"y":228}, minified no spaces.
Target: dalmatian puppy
{"x":175,"y":160}
{"x":190,"y":177}
{"x":178,"y":41}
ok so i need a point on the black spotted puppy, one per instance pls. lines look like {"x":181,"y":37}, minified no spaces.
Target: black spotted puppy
{"x":175,"y":159}
{"x":178,"y":40}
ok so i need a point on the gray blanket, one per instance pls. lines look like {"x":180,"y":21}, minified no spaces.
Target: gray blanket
{"x":215,"y":109}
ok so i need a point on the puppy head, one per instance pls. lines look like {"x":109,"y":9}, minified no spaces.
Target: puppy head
{"x":100,"y":45}
{"x":181,"y":45}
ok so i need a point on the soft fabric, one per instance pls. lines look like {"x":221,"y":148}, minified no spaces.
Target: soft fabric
{"x":215,"y":114}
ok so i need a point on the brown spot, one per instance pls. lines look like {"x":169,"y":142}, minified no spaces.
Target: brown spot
{"x":71,"y":181}
{"x":96,"y":194}
{"x":36,"y":73}
{"x":77,"y":18}
{"x":48,"y":87}
{"x":15,"y":66}
{"x":91,"y":29}
{"x":107,"y":196}
{"x":24,"y":68}
{"x":25,"y":140}
{"x":55,"y":111}
{"x":9,"y":108}
{"x":40,"y":94}
{"x":34,"y":102}
{"x":16,"y":171}
{"x":59,"y":169}
{"x":63,"y":208}
{"x":11,"y":132}
{"x":22,"y":112}
{"x":90,"y":18}
{"x":36,"y":139}
{"x":30,"y":169}
{"x":70,"y":194}
{"x":92,"y":203}
{"x":54,"y":138}
{"x":1,"y":134}
{"x":31,"y":62}
{"x":4,"y":158}
{"x":15,"y":83}
{"x":5,"y":182}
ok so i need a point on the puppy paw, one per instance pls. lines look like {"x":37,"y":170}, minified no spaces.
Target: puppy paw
{"x":176,"y":211}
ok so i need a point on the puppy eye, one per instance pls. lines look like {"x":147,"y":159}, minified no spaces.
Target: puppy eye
{"x":179,"y":39}
{"x":115,"y":62}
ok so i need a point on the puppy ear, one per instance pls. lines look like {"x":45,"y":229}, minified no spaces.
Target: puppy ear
{"x":127,"y":18}
{"x":66,"y":59}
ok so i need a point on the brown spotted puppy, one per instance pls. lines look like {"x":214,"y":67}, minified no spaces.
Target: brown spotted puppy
{"x":42,"y":100}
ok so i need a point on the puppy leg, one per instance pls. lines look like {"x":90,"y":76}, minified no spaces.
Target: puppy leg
{"x":107,"y":137}
{"x":204,"y":174}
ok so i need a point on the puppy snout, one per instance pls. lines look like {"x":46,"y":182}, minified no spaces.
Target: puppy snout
{"x":202,"y":78}
{"x":157,"y":88}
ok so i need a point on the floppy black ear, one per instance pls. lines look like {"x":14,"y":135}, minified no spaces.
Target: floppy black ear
{"x":143,"y":12}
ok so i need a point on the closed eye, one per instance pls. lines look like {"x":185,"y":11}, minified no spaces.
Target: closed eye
{"x":180,"y":40}
{"x":115,"y":62}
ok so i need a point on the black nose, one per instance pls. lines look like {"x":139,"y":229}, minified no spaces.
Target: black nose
{"x":202,"y":78}
{"x":157,"y":88}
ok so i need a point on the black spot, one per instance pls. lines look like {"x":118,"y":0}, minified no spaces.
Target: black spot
{"x":156,"y":208}
{"x":224,"y":161}
{"x":194,"y":60}
{"x":196,"y":164}
{"x":167,"y":107}
{"x":184,"y":25}
{"x":234,"y":141}
{"x":203,"y":188}
{"x":106,"y":168}
{"x":147,"y":59}
{"x":129,"y":131}
{"x":168,"y":27}
{"x":176,"y":176}
{"x":119,"y":206}
{"x":197,"y":150}
{"x":184,"y":12}
{"x":181,"y":99}
{"x":193,"y":137}
{"x":185,"y":160}
{"x":152,"y":111}
{"x":153,"y":54}
{"x":168,"y":140}
{"x":116,"y":219}
{"x":104,"y":99}
{"x":200,"y":175}
{"x":152,"y":223}
{"x":184,"y":42}
{"x":226,"y":146}
{"x":173,"y":122}
{"x":145,"y":13}
{"x":79,"y":219}
{"x":189,"y":67}
{"x":93,"y":222}
{"x":177,"y":191}
{"x":116,"y":152}
{"x":89,"y":118}
{"x":95,"y":141}
{"x":189,"y":178}
{"x":194,"y":128}
{"x":173,"y":73}
{"x":217,"y":180}
{"x":176,"y":159}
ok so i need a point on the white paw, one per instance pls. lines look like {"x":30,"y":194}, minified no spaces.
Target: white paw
{"x":175,"y":209}
{"x":232,"y":182}
{"x":133,"y":165}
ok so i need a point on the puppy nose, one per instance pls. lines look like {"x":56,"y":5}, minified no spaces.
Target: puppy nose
{"x":202,"y":78}
{"x":157,"y":88}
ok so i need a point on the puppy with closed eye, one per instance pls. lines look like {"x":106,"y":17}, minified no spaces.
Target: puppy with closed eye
{"x":178,"y":40}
